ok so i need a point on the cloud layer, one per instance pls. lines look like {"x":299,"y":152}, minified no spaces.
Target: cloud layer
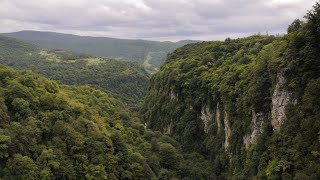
{"x":153,"y":19}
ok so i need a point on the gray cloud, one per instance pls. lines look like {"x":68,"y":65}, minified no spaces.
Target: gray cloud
{"x":153,"y":19}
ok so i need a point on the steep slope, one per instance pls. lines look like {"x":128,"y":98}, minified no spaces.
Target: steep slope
{"x":249,"y":105}
{"x":127,"y":81}
{"x":53,"y":131}
{"x":136,"y":50}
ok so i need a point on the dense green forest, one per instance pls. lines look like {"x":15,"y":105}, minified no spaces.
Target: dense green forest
{"x":239,"y":109}
{"x":250,"y":105}
{"x":53,"y":131}
{"x":150,"y":53}
{"x":125,"y":80}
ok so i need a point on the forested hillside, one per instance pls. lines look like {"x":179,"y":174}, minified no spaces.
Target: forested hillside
{"x":125,"y":80}
{"x":250,"y":105}
{"x":149,"y":53}
{"x":53,"y":131}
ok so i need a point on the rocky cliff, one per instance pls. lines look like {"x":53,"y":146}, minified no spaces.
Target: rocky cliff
{"x":281,"y":98}
{"x":258,"y":120}
{"x":249,"y":105}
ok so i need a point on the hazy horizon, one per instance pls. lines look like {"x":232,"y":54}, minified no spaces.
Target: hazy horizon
{"x":153,"y":20}
{"x":97,"y":36}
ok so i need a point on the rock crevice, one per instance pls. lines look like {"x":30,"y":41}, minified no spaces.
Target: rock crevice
{"x":258,"y":120}
{"x":227,"y":129}
{"x":173,"y":96}
{"x":206,"y":117}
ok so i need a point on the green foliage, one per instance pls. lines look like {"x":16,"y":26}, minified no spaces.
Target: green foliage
{"x":20,"y":168}
{"x":295,"y":26}
{"x":4,"y":144}
{"x":169,"y":156}
{"x":21,"y":108}
{"x":125,"y":80}
{"x":55,"y":131}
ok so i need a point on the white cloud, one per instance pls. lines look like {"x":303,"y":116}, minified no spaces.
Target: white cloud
{"x":153,"y":19}
{"x":285,"y":2}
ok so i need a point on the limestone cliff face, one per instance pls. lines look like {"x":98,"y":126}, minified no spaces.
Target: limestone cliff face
{"x":258,"y":120}
{"x":209,"y":116}
{"x":167,"y":130}
{"x":218,"y":121}
{"x":227,"y":129}
{"x":206,"y":117}
{"x":173,"y":96}
{"x":281,"y":98}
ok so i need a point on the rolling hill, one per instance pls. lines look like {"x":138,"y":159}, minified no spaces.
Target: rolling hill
{"x":125,"y":80}
{"x":149,"y":53}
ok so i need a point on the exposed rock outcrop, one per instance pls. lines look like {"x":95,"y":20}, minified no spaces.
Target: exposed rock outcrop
{"x":218,"y":114}
{"x":173,"y":96}
{"x":167,"y":130}
{"x":206,"y":117}
{"x":227,"y":129}
{"x":258,"y":120}
{"x":280,"y":99}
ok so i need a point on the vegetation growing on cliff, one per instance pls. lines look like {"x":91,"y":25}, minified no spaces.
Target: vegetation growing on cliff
{"x":237,"y":80}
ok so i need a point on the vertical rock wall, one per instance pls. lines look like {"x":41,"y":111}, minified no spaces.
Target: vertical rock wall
{"x":280,"y":99}
{"x":227,"y":129}
{"x":206,"y":117}
{"x":218,"y":121}
{"x":258,"y":120}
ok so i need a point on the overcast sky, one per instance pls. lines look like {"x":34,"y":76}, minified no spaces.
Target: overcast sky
{"x":153,"y":19}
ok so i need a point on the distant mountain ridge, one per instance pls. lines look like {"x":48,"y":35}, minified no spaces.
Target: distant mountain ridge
{"x":151,"y":54}
{"x":127,"y":81}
